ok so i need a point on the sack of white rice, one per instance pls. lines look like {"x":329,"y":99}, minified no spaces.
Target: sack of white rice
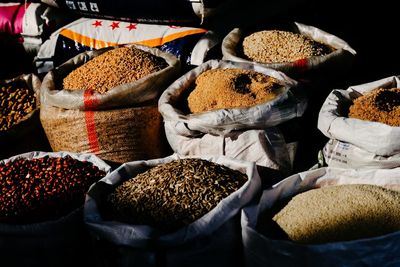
{"x":328,"y":216}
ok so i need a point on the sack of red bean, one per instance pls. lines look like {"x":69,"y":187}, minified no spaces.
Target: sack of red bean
{"x":177,"y":211}
{"x":30,"y":23}
{"x":232,"y":109}
{"x":362,"y":123}
{"x":151,"y":11}
{"x":325,"y":217}
{"x":105,"y":102}
{"x":41,"y":207}
{"x":296,"y":50}
{"x":19,"y":116}
{"x":189,"y":44}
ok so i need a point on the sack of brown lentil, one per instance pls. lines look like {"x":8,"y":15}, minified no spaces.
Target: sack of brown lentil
{"x":364,"y":121}
{"x":108,"y":105}
{"x":189,"y":44}
{"x":19,"y":116}
{"x":233,"y":113}
{"x":41,"y":215}
{"x":174,"y":211}
{"x":298,"y":50}
{"x":355,"y":211}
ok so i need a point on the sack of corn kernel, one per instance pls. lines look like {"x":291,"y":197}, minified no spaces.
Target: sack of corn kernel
{"x":151,"y":11}
{"x":41,"y":215}
{"x":107,"y":106}
{"x":30,"y":23}
{"x":362,"y":122}
{"x":350,"y":219}
{"x":19,"y":116}
{"x":189,"y":44}
{"x":299,"y":50}
{"x":177,"y":211}
{"x":220,"y":125}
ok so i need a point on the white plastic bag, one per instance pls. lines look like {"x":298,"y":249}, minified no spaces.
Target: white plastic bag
{"x":374,"y":137}
{"x":242,"y":133}
{"x":214,"y":239}
{"x":339,"y":58}
{"x":261,"y":250}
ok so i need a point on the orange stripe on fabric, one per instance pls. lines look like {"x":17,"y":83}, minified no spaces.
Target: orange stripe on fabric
{"x":169,"y":38}
{"x":97,"y":44}
{"x":89,"y":103}
{"x":87,"y":41}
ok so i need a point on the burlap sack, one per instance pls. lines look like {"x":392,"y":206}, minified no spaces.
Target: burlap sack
{"x":18,"y":138}
{"x":83,"y":121}
{"x":340,"y":58}
{"x":242,"y":133}
{"x":212,"y":240}
{"x":60,"y":242}
{"x":373,"y":137}
{"x":262,"y":250}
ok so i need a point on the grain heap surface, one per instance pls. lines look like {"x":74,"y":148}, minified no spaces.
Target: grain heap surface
{"x":174,"y":194}
{"x":113,"y":68}
{"x":232,"y":88}
{"x":380,"y":105}
{"x":340,"y":213}
{"x":16,"y":102}
{"x":281,"y":47}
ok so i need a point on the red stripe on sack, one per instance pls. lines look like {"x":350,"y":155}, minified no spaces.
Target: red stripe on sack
{"x":89,"y":103}
{"x":301,"y":64}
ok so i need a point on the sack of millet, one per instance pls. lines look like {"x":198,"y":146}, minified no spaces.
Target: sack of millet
{"x":41,"y":218}
{"x":175,"y":211}
{"x":230,"y":108}
{"x":325,"y":217}
{"x":104,"y":102}
{"x":296,"y":50}
{"x":362,"y":123}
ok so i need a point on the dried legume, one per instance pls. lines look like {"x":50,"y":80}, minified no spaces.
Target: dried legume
{"x":174,"y":194}
{"x":16,"y":102}
{"x":113,"y":68}
{"x":232,"y":88}
{"x":380,"y":105}
{"x":281,"y":47}
{"x":43,"y":188}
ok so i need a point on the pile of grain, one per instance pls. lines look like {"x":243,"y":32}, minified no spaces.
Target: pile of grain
{"x":340,"y":213}
{"x":231,"y":88}
{"x":113,"y":68}
{"x":281,"y":47}
{"x":16,"y":102}
{"x":379,"y":105}
{"x":174,"y":194}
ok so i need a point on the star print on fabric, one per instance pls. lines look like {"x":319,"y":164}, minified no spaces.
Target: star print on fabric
{"x":131,"y":26}
{"x":97,"y":23}
{"x":114,"y":25}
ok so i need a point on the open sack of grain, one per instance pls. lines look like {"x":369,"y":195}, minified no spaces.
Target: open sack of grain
{"x":174,"y":211}
{"x":189,"y":44}
{"x":363,"y":124}
{"x":233,"y":112}
{"x":41,"y":218}
{"x":105,"y":102}
{"x":326,"y":217}
{"x":301,"y":49}
{"x":19,"y":117}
